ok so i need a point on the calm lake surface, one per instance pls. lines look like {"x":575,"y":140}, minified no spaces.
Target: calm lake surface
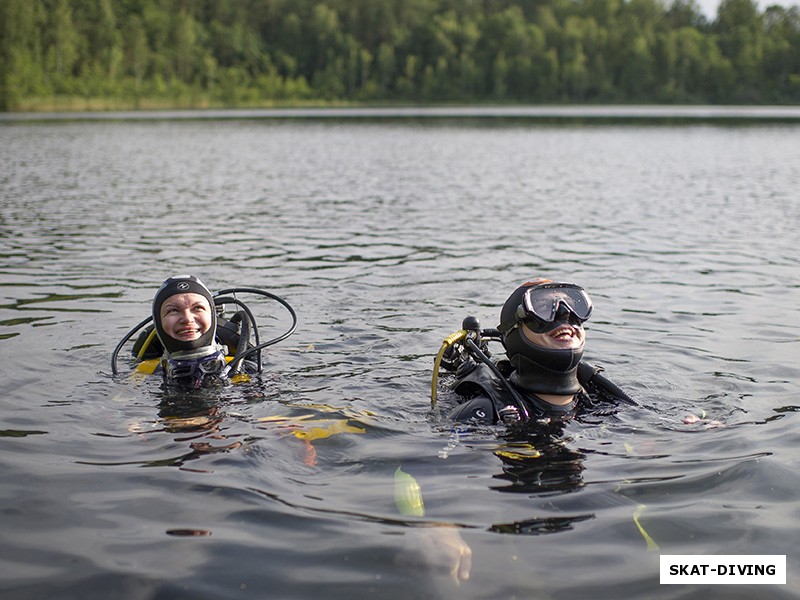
{"x":383,"y":235}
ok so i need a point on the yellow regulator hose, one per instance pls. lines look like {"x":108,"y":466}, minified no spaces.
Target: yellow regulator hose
{"x":146,"y":344}
{"x":448,"y":341}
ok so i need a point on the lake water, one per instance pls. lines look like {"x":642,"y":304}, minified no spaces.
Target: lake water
{"x":383,"y":235}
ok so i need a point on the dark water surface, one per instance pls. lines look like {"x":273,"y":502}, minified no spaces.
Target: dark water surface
{"x":384,"y":235}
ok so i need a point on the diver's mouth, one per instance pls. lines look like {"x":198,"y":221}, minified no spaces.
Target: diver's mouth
{"x":564,"y":333}
{"x":188,"y":333}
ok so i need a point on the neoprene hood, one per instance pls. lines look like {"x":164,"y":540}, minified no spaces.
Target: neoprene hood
{"x":538,"y":369}
{"x":183,"y":284}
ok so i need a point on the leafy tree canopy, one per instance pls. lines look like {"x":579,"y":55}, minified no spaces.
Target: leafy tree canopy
{"x":198,"y":53}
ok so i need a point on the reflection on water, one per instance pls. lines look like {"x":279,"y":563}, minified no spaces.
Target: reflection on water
{"x":384,"y":235}
{"x":540,"y":466}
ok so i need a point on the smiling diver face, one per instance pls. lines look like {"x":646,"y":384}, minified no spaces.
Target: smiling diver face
{"x":185,"y":317}
{"x":565,"y":336}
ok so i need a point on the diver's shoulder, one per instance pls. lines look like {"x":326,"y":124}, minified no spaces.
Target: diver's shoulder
{"x":478,"y":408}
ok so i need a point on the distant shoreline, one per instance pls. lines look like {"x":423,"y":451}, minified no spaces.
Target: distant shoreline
{"x":528,"y":112}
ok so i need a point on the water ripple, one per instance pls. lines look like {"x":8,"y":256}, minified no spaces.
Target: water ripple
{"x":384,"y":236}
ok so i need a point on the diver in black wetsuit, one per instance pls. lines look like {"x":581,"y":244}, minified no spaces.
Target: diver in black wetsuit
{"x":192,"y":341}
{"x":542,"y":378}
{"x":542,"y":381}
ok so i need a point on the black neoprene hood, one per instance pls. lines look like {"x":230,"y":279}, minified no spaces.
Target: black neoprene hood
{"x":183,"y":284}
{"x":538,"y":369}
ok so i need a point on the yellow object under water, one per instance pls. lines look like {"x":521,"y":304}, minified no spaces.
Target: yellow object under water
{"x":309,"y":429}
{"x":518,"y":452}
{"x":408,"y":495}
{"x":306,"y":427}
{"x":651,"y":545}
{"x":324,"y":429}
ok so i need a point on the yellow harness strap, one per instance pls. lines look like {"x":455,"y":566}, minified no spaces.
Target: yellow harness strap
{"x":148,"y":367}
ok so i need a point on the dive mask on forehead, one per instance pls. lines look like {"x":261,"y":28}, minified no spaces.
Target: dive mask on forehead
{"x":546,"y":305}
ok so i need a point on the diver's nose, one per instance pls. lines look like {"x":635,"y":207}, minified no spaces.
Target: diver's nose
{"x":562,"y":312}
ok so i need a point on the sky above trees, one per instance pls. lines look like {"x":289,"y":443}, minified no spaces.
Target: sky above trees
{"x":709,"y":7}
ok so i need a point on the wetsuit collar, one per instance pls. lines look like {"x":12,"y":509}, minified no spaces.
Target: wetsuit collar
{"x":536,"y":378}
{"x":542,"y":408}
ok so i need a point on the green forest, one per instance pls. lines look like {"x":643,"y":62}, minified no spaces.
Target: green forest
{"x":141,"y":54}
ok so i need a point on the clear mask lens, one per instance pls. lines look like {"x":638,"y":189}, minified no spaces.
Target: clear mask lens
{"x":546,"y":305}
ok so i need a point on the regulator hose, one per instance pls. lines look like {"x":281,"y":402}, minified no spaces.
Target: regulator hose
{"x":127,"y":336}
{"x":477,"y":352}
{"x":451,"y":339}
{"x":465,"y":335}
{"x":259,"y":346}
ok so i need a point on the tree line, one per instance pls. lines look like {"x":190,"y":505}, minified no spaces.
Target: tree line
{"x":198,"y":53}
